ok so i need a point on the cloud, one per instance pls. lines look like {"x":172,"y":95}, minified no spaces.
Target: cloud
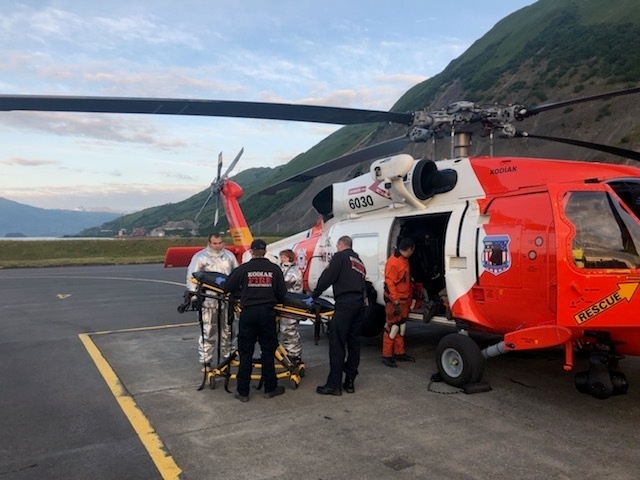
{"x":156,"y":82}
{"x":28,"y":162}
{"x":114,"y":77}
{"x":285,"y":64}
{"x":111,"y":128}
{"x":179,"y":175}
{"x":146,"y":29}
{"x":99,"y":32}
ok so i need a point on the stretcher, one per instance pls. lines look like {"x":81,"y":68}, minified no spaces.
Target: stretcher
{"x":211,"y":285}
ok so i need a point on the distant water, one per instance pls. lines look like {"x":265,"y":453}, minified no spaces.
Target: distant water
{"x":40,"y":239}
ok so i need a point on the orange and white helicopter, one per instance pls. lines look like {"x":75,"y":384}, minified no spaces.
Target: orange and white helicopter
{"x":544,"y":253}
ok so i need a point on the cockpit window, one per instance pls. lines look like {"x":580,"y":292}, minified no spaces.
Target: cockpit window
{"x":629,"y":193}
{"x":607,"y":236}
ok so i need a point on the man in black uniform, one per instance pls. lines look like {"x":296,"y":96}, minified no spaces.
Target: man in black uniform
{"x":346,"y":273}
{"x":261,"y":286}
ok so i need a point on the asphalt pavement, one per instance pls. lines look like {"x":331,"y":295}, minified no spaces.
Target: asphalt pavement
{"x":100,"y":380}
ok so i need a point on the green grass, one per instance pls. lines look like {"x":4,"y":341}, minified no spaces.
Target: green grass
{"x":56,"y":253}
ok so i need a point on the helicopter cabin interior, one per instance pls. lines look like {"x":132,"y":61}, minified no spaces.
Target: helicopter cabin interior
{"x":427,"y":262}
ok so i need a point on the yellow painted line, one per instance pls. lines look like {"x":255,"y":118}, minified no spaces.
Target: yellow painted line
{"x":164,"y":462}
{"x":141,"y":329}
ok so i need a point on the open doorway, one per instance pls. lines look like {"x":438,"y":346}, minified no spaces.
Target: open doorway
{"x":427,"y":262}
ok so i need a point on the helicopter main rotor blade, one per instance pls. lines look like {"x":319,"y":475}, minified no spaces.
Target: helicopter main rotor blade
{"x":233,"y":164}
{"x":212,"y":108}
{"x":203,"y":205}
{"x":621,"y":152}
{"x":529,"y":111}
{"x":382,"y":149}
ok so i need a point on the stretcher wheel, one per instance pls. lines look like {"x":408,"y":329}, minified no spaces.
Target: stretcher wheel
{"x":294,"y":381}
{"x":212,"y":382}
{"x":301,"y":372}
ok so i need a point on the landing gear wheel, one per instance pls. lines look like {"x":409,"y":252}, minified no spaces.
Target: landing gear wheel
{"x":459,"y":360}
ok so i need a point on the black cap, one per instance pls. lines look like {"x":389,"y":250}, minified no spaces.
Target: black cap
{"x":258,"y":244}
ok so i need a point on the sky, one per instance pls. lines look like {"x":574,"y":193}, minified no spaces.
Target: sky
{"x":355,"y":53}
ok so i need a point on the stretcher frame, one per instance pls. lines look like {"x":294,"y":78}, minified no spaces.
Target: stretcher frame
{"x":208,"y":288}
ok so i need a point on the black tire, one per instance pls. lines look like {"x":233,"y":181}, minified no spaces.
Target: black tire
{"x":373,"y":321}
{"x":459,"y":360}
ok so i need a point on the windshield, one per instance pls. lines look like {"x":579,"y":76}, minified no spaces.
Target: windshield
{"x":606,"y":235}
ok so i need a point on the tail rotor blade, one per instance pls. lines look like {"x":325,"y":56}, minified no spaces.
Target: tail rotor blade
{"x":219,"y":166}
{"x":203,"y":205}
{"x":234,"y":163}
{"x":215,"y":219}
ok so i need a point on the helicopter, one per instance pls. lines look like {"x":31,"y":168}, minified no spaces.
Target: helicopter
{"x":542,"y":253}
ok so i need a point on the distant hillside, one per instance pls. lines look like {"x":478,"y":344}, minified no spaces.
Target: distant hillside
{"x":17,"y":218}
{"x":550,"y":51}
{"x":155,"y":217}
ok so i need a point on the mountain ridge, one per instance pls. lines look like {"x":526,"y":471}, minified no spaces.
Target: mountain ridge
{"x":19,"y":219}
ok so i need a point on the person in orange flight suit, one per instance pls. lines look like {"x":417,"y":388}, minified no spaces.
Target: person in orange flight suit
{"x":397,"y":296}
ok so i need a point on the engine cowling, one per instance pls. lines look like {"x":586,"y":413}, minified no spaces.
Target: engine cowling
{"x":392,"y":180}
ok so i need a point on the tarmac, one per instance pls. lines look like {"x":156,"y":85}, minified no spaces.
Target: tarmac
{"x":103,"y":383}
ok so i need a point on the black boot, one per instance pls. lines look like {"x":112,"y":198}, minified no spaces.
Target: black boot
{"x":404,"y":358}
{"x":327,"y":390}
{"x":348,"y":385}
{"x":389,"y":362}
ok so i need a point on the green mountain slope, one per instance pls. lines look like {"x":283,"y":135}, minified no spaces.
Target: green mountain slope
{"x":549,"y":51}
{"x":563,"y":41}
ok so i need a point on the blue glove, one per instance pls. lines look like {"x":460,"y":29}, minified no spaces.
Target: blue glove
{"x":310,"y":302}
{"x":219,"y":280}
